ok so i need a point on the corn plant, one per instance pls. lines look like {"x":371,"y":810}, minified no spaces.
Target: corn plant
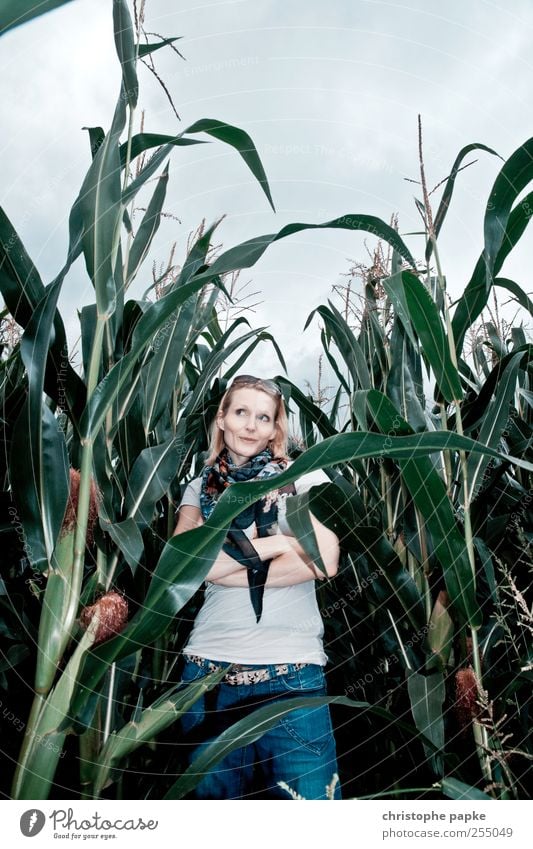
{"x":432,"y":537}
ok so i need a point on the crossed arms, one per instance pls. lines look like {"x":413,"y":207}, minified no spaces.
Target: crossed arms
{"x":289,"y":562}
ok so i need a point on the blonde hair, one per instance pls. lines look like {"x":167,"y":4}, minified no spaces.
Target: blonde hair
{"x":278,"y":445}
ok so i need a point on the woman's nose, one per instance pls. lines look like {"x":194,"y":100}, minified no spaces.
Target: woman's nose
{"x":251,"y":423}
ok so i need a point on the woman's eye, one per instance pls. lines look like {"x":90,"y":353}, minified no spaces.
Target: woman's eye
{"x":265,"y":418}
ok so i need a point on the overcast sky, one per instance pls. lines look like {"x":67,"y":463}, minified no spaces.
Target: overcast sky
{"x":330,"y":93}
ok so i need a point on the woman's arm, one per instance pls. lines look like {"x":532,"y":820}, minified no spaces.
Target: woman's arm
{"x":289,"y":562}
{"x":291,"y":565}
{"x":190,"y":517}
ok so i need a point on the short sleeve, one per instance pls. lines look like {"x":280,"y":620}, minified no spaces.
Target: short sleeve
{"x":305,"y":482}
{"x":191,"y":496}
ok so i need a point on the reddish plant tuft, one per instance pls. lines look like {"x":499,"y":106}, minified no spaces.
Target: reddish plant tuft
{"x":69,"y":521}
{"x":466,"y":696}
{"x":112,"y":609}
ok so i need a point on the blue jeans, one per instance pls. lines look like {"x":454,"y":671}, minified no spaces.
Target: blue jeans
{"x":299,"y":751}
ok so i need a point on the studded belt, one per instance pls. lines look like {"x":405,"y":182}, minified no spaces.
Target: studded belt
{"x":245,"y":674}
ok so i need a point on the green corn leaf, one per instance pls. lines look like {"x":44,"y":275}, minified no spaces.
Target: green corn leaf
{"x":242,"y":143}
{"x":455,"y":789}
{"x":148,"y":228}
{"x":395,"y":290}
{"x":344,"y":338}
{"x":247,"y":253}
{"x":152,"y":165}
{"x":96,"y":138}
{"x":128,"y":539}
{"x":217,"y":357}
{"x":494,"y":423}
{"x":197,"y":256}
{"x":88,"y":320}
{"x":252,"y":727}
{"x":518,"y":337}
{"x":392,"y":587}
{"x":20,"y":283}
{"x":161,"y":373}
{"x":313,"y":414}
{"x":151,"y":722}
{"x":54,"y":632}
{"x":426,"y":694}
{"x":233,"y":136}
{"x":528,"y":395}
{"x":125,"y":46}
{"x":428,"y":325}
{"x":324,"y":338}
{"x":440,"y":634}
{"x":146,"y":49}
{"x":485,"y":558}
{"x":97,"y":213}
{"x":377,"y":343}
{"x":477,"y":409}
{"x":22,"y":290}
{"x":518,"y":220}
{"x":449,"y":187}
{"x":117,"y":378}
{"x":149,"y":479}
{"x":334,"y":412}
{"x":514,"y":289}
{"x":514,"y":176}
{"x":300,"y":523}
{"x":39,"y":462}
{"x":404,"y":384}
{"x":13,"y":656}
{"x":428,"y":492}
{"x":13,"y":13}
{"x":471,"y":303}
{"x":35,"y":773}
{"x":496,"y":343}
{"x":502,"y":229}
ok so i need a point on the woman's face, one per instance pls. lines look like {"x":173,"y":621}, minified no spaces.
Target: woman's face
{"x":249,"y":423}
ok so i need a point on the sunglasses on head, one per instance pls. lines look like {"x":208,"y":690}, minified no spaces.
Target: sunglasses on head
{"x":249,"y":379}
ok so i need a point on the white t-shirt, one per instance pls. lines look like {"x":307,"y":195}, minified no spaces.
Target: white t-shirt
{"x":290,"y":629}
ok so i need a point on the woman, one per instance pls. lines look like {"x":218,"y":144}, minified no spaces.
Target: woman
{"x":273,"y":640}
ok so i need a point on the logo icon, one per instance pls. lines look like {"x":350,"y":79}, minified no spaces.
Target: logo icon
{"x":32,"y":822}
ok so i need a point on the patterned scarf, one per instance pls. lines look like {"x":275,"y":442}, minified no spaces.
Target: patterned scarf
{"x":264,"y":513}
